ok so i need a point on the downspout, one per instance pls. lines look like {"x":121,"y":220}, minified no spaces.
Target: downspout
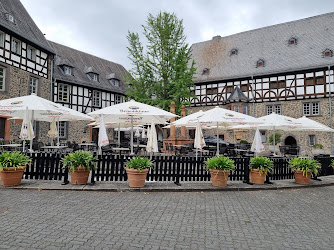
{"x":253,"y":95}
{"x":330,"y":105}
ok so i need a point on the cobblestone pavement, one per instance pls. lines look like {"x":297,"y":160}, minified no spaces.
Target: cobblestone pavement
{"x":280,"y":219}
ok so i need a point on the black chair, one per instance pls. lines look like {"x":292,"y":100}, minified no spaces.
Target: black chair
{"x":172,"y":148}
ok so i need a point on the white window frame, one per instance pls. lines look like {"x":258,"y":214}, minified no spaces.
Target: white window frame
{"x":33,"y":85}
{"x":93,"y":77}
{"x":2,"y":39}
{"x":63,"y":130}
{"x":3,"y":79}
{"x":236,"y":108}
{"x":67,"y":70}
{"x":114,"y":82}
{"x":311,"y":140}
{"x":118,"y":99}
{"x":311,"y":108}
{"x":244,"y":109}
{"x":16,"y":46}
{"x":97,"y":100}
{"x":31,"y":53}
{"x":277,"y":108}
{"x":10,"y":18}
{"x":63,"y":93}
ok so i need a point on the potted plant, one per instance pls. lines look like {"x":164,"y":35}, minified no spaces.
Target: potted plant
{"x":317,"y":149}
{"x":137,"y":169}
{"x":271,"y":147}
{"x":80,"y":162}
{"x":12,"y":166}
{"x":220,"y":168}
{"x":303,"y":168}
{"x":259,"y":167}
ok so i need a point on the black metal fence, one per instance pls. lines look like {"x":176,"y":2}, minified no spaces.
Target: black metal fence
{"x":47,"y":166}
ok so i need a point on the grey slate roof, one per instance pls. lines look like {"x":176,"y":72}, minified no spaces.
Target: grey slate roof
{"x":237,"y":95}
{"x":24,"y":26}
{"x":84,"y":63}
{"x":314,"y":35}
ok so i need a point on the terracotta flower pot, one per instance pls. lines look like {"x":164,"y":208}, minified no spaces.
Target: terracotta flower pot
{"x":256,"y":177}
{"x":302,"y":179}
{"x":219,"y":177}
{"x":79,"y":176}
{"x":10,"y":177}
{"x":136,"y":178}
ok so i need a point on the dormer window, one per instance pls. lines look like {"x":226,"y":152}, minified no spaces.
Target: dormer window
{"x":67,"y":70}
{"x":205,"y":71}
{"x":234,"y":52}
{"x":93,"y":76}
{"x":114,"y":82}
{"x":10,"y":18}
{"x":260,"y":63}
{"x":328,"y":53}
{"x":292,"y":41}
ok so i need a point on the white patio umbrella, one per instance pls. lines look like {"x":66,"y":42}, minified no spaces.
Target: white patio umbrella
{"x":103,"y":137}
{"x":53,"y":132}
{"x":189,"y":120}
{"x":143,"y":134}
{"x":27,"y":132}
{"x":133,"y":113}
{"x":224,"y":117}
{"x":152,"y":143}
{"x":199,"y":142}
{"x":257,"y":146}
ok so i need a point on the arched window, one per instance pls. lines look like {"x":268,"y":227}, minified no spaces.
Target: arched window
{"x":292,"y":41}
{"x":234,"y":52}
{"x":328,"y":53}
{"x":260,"y":63}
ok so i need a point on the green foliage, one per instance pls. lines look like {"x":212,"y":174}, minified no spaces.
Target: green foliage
{"x":320,"y":146}
{"x":305,"y":164}
{"x":79,"y":159}
{"x":220,"y":163}
{"x":139,"y":163}
{"x":162,"y":72}
{"x":264,"y":164}
{"x":244,"y":141}
{"x":13,"y":159}
{"x":277,"y":138}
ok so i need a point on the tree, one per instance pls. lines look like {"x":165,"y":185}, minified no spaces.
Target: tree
{"x":164,"y":71}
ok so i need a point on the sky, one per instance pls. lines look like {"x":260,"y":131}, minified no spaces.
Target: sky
{"x":100,"y":27}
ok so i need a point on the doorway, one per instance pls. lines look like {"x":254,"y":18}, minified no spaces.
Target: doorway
{"x":290,"y":140}
{"x":2,"y":127}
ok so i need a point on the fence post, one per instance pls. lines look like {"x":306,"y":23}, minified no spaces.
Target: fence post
{"x":177,"y":176}
{"x":65,"y":180}
{"x":246,"y":169}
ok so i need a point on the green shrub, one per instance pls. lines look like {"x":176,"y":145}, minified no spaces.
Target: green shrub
{"x":79,"y":159}
{"x":305,"y":164}
{"x":139,"y":163}
{"x":320,"y":146}
{"x":220,"y":163}
{"x":277,"y":138}
{"x":244,"y":141}
{"x":264,"y":164}
{"x":13,"y":159}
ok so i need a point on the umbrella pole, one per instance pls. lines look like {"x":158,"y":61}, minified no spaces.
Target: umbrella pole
{"x":132,"y":134}
{"x":274,"y":135}
{"x":32,"y":119}
{"x":58,"y":133}
{"x":119,"y":135}
{"x":217,"y":140}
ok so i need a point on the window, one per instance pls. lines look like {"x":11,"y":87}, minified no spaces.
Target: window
{"x":236,"y":108}
{"x":67,"y":70}
{"x":16,"y":46}
{"x":114,"y":82}
{"x":63,"y":130}
{"x":118,"y":99}
{"x":211,"y":91}
{"x":2,"y":79}
{"x":2,"y":39}
{"x":319,"y":80}
{"x":263,"y":136}
{"x":309,"y":81}
{"x":93,"y":76}
{"x":311,"y":140}
{"x":63,"y":92}
{"x":10,"y":18}
{"x":328,"y":53}
{"x":96,"y":98}
{"x":234,"y":52}
{"x":244,"y":87}
{"x":31,"y":53}
{"x":33,"y":84}
{"x":292,"y":41}
{"x":229,"y":89}
{"x":311,"y":108}
{"x":277,"y":85}
{"x":277,"y":108}
{"x":260,"y":63}
{"x":244,"y":110}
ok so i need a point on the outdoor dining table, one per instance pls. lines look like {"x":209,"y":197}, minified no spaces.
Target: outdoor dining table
{"x":88,"y":146}
{"x":11,"y":146}
{"x":124,"y":150}
{"x":54,"y":148}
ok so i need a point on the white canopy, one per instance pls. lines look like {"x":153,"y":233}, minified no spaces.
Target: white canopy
{"x":103,"y":137}
{"x":189,"y":120}
{"x":311,"y":125}
{"x":199,"y":142}
{"x":43,"y":110}
{"x":152,"y":140}
{"x":257,"y":146}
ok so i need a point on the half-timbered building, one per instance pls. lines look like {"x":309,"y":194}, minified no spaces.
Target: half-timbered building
{"x":285,"y":68}
{"x":25,"y":63}
{"x":85,"y":83}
